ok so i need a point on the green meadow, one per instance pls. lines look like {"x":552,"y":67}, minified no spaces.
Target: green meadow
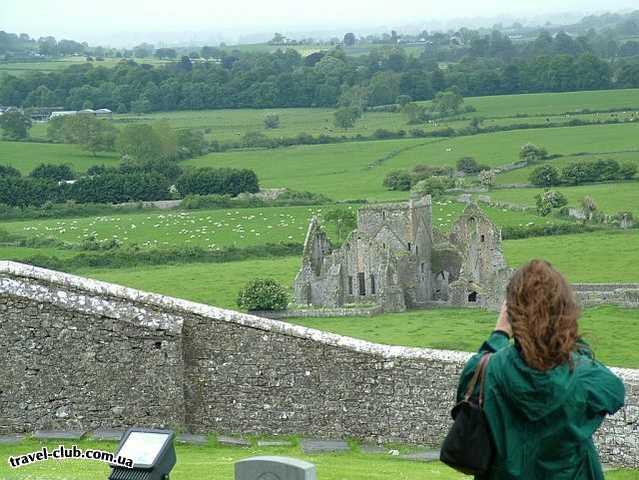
{"x":361,"y":166}
{"x":610,"y":198}
{"x":219,"y":228}
{"x":25,"y":156}
{"x":47,"y":66}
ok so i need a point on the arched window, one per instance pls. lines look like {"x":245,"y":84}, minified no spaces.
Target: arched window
{"x":472,"y":297}
{"x":373,"y":286}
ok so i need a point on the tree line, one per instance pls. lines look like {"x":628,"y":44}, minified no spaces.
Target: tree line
{"x":321,"y":79}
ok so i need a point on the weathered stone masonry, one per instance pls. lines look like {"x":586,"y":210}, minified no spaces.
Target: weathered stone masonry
{"x":77,"y":353}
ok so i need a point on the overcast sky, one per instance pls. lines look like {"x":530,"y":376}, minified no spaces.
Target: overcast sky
{"x":108,"y":19}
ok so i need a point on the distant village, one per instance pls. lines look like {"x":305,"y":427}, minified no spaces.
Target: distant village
{"x":44,"y":114}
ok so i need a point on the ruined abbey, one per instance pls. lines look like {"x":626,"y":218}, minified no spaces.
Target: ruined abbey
{"x":396,"y":260}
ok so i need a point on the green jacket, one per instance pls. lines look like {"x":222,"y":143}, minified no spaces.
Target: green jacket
{"x":542,"y":422}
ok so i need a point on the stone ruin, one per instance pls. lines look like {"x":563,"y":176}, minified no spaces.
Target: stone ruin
{"x":396,"y":260}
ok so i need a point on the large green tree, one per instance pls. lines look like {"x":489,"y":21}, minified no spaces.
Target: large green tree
{"x":15,"y":125}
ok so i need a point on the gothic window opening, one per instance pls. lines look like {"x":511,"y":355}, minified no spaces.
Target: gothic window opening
{"x":350,"y":285}
{"x":416,"y":250}
{"x":410,"y":247}
{"x":472,"y":297}
{"x":422,"y":267}
{"x":483,"y":238}
{"x":373,"y":286}
{"x":361,"y":281}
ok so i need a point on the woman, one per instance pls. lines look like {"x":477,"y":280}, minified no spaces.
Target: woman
{"x":545,"y":395}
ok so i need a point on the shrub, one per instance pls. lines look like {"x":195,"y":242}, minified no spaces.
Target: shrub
{"x":120,"y":187}
{"x":271,"y":121}
{"x":262,"y":294}
{"x":8,"y":171}
{"x":532,"y":153}
{"x":434,"y":186}
{"x":467,"y":165}
{"x":548,"y":200}
{"x":578,"y":173}
{"x":487,"y":178}
{"x":207,"y":181}
{"x":627,"y":171}
{"x":397,"y":180}
{"x":545,"y":176}
{"x":53,"y":172}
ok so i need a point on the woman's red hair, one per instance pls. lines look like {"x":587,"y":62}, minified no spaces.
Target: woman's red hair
{"x":543,"y":314}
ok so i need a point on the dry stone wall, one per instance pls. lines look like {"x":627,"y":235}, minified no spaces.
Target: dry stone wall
{"x":81,"y":354}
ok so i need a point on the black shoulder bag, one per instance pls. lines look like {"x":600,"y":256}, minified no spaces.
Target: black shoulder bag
{"x":468,"y":446}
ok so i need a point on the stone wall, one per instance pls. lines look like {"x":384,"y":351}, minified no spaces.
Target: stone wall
{"x":593,"y":294}
{"x":84,"y":354}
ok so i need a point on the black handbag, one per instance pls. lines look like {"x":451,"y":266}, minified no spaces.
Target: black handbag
{"x":468,"y":447}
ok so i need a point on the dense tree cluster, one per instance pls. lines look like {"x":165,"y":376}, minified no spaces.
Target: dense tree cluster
{"x":207,"y":181}
{"x":577,"y":173}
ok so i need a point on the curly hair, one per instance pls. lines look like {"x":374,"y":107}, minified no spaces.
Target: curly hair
{"x":543,"y":314}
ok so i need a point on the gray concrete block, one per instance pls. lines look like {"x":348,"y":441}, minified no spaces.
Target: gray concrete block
{"x":107,"y":435}
{"x":58,"y":434}
{"x":192,"y":439}
{"x":311,"y":447}
{"x":233,"y":441}
{"x":274,"y":443}
{"x":425,"y":456}
{"x":274,"y":468}
{"x":11,"y":439}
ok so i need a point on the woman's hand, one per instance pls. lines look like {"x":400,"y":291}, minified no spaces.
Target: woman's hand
{"x":503,"y":324}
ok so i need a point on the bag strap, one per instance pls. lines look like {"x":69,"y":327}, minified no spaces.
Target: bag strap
{"x":478,"y":375}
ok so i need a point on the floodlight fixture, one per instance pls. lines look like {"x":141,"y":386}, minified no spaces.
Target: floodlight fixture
{"x":152,"y":452}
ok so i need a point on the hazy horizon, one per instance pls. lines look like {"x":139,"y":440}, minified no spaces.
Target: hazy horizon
{"x":127,"y":22}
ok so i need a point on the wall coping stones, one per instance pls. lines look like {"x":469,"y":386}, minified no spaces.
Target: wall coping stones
{"x":59,"y":434}
{"x":103,"y":289}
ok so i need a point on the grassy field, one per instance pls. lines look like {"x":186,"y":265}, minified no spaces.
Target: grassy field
{"x":226,"y":227}
{"x":25,"y":156}
{"x":217,"y":462}
{"x":582,"y":258}
{"x":47,"y":66}
{"x":538,"y":109}
{"x":554,"y":103}
{"x":609,"y":197}
{"x":362,"y":166}
{"x":611,"y":256}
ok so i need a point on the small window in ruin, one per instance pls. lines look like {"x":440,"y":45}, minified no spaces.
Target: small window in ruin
{"x":361,"y":281}
{"x":384,"y":215}
{"x":410,"y":246}
{"x":472,"y":297}
{"x":383,"y":245}
{"x":416,"y":250}
{"x":373,"y":287}
{"x":350,"y":285}
{"x":348,"y":246}
{"x":422,"y":267}
{"x":483,"y":238}
{"x":441,"y":275}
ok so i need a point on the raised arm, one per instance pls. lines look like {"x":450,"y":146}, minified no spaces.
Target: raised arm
{"x":498,"y":339}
